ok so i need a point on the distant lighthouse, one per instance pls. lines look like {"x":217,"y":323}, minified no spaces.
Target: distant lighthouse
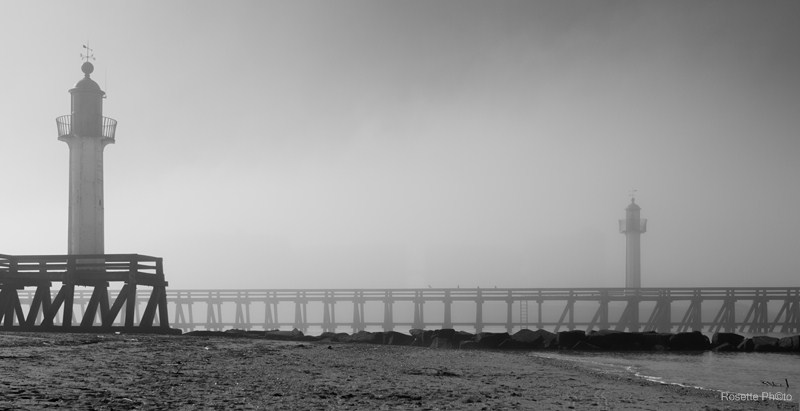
{"x":86,"y":132}
{"x":633,"y":226}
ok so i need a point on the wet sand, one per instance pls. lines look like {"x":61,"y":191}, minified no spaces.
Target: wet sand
{"x":125,"y":372}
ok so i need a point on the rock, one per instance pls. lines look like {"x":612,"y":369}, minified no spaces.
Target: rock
{"x":422,"y":338}
{"x":468,"y":345}
{"x":490,"y":340}
{"x":655,"y":341}
{"x":725,"y":347}
{"x":462,"y":336}
{"x":367,"y":337}
{"x":568,"y":339}
{"x":396,"y":338}
{"x":534,"y":339}
{"x":616,"y":340}
{"x":441,"y":342}
{"x":334,"y":337}
{"x":510,"y":344}
{"x":585,"y":346}
{"x":746,"y":345}
{"x":444,"y":338}
{"x":448,"y":333}
{"x":764,"y":343}
{"x":691,"y":341}
{"x":790,"y":343}
{"x":732,"y":339}
{"x":293,"y":335}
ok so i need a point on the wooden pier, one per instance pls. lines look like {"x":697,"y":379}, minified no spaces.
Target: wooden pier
{"x":85,"y":281}
{"x":743,"y":310}
{"x":752,"y":310}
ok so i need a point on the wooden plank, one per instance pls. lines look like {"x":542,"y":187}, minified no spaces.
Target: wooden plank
{"x":111,"y":316}
{"x":40,"y":300}
{"x":18,"y":308}
{"x":163,"y":314}
{"x":5,"y":305}
{"x":150,"y":310}
{"x":69,"y":295}
{"x":130,"y":305}
{"x":51,"y":311}
{"x":91,"y":308}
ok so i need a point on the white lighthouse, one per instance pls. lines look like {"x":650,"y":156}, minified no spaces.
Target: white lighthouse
{"x":86,"y":132}
{"x":633,"y":226}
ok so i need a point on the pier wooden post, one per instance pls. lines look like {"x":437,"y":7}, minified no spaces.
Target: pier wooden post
{"x":448,"y":321}
{"x":509,"y":318}
{"x":388,"y":311}
{"x":419,"y":313}
{"x":479,"y":312}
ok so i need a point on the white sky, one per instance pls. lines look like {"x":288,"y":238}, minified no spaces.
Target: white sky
{"x":415,"y":143}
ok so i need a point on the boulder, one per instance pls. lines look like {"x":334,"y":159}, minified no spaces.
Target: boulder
{"x":444,"y":338}
{"x":568,"y":339}
{"x":510,"y":344}
{"x":790,"y":343}
{"x":422,"y":338}
{"x":690,"y":341}
{"x":490,"y":340}
{"x":655,"y":341}
{"x":341,"y":337}
{"x":585,"y":346}
{"x":533,"y":339}
{"x":396,"y":338}
{"x":367,"y":337}
{"x":464,"y":336}
{"x":293,"y":335}
{"x":244,"y":333}
{"x":725,"y":347}
{"x":746,"y":345}
{"x":764,"y":343}
{"x":441,"y":342}
{"x":616,"y":340}
{"x":334,"y":337}
{"x":468,"y":345}
{"x":726,"y":338}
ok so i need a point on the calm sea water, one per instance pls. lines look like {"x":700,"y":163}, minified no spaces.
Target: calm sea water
{"x":733,"y":372}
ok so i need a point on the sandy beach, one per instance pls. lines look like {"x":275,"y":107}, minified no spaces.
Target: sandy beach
{"x":126,"y":372}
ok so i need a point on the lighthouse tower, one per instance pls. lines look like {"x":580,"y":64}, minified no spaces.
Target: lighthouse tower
{"x":633,"y":226}
{"x":86,"y":132}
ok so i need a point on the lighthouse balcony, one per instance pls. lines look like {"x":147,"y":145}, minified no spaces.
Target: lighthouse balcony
{"x":108,"y":127}
{"x":624,"y":227}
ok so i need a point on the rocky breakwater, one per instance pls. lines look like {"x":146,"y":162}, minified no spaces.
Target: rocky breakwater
{"x":604,"y":340}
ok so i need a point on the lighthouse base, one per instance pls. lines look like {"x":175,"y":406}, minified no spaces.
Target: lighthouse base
{"x":140,"y":277}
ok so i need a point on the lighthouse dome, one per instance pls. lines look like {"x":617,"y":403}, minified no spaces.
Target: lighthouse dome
{"x":633,"y":205}
{"x":86,"y":83}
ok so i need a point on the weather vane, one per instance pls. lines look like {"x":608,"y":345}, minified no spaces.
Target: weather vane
{"x":632,"y":194}
{"x":89,"y":53}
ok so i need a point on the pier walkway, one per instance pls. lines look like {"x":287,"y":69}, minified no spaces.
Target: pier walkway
{"x":744,"y":310}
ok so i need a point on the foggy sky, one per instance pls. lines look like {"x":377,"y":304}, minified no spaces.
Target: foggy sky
{"x":415,"y":143}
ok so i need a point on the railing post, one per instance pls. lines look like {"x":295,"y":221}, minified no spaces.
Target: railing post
{"x":509,"y":311}
{"x":388,"y":311}
{"x":448,"y":321}
{"x":419,"y":310}
{"x":479,"y":312}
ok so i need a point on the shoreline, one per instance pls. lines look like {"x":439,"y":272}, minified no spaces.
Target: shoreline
{"x":137,"y":371}
{"x":605,"y":368}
